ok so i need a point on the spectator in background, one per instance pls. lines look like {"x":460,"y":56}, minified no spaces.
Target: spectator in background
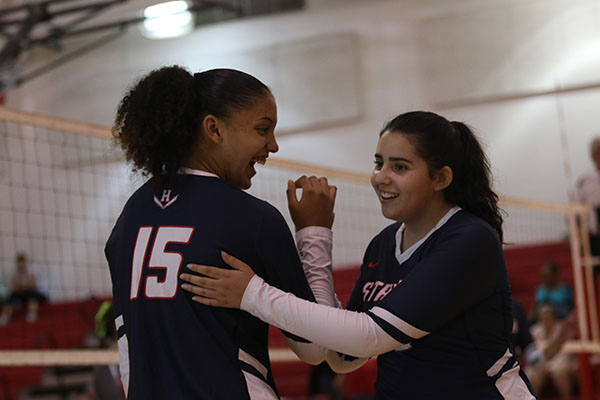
{"x":558,"y":367}
{"x":524,"y":343}
{"x":24,"y":290}
{"x":587,"y":191}
{"x":552,"y":292}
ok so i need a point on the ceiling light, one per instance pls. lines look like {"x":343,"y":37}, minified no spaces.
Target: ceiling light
{"x":167,"y":20}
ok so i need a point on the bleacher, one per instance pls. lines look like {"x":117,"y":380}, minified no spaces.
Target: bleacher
{"x":61,"y":325}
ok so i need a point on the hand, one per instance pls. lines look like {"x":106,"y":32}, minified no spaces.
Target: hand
{"x":219,"y":287}
{"x":315,"y":207}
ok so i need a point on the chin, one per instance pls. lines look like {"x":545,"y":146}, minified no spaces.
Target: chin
{"x":390,"y":214}
{"x":245,"y":185}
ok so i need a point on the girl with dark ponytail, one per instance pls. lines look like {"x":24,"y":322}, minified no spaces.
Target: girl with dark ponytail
{"x":433,"y":299}
{"x":198,"y":138}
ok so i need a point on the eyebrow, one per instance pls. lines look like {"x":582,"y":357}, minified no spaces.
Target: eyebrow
{"x":267,"y":118}
{"x":395,"y":158}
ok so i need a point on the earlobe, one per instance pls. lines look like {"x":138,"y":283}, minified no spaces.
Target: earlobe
{"x":210,"y":125}
{"x":444,"y":177}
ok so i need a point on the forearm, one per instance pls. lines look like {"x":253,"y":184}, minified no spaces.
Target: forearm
{"x":315,"y":245}
{"x":310,"y":353}
{"x":340,"y":330}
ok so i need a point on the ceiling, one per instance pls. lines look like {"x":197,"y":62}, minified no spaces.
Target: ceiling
{"x":26,"y":25}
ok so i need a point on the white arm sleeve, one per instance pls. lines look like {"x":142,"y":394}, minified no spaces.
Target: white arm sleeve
{"x":314,"y":245}
{"x":339,"y":364}
{"x":340,"y":330}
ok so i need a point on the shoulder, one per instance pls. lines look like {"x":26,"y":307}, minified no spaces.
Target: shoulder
{"x":471,"y":227}
{"x":587,"y":177}
{"x":388,"y":231}
{"x":387,"y":235}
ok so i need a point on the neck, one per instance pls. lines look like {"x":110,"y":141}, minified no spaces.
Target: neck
{"x":203,"y":165}
{"x":417,"y":228}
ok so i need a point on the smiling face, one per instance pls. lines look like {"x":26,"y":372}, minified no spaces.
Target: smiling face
{"x":243,"y":139}
{"x":402,"y":181}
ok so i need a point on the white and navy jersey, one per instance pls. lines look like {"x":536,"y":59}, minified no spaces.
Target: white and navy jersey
{"x":177,"y":348}
{"x":450,"y":302}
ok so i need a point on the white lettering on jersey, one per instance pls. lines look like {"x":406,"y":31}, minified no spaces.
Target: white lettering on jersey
{"x":166,"y":197}
{"x":377,"y":290}
{"x":170,"y":261}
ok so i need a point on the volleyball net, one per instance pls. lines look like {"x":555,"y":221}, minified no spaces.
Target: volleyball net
{"x":63,"y":186}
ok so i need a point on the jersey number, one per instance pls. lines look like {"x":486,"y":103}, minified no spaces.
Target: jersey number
{"x":170,"y":261}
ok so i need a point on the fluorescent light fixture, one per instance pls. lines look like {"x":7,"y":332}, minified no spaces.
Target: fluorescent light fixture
{"x":167,"y":20}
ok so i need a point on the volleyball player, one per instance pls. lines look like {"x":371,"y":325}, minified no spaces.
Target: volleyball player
{"x":432,"y":300}
{"x":199,"y":138}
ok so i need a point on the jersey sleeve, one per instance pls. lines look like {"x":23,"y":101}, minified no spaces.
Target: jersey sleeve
{"x":458,"y":270}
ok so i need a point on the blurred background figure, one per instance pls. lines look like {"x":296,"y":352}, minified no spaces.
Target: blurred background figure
{"x":325,"y":384}
{"x":552,"y":292}
{"x":105,"y":383}
{"x":559,"y":368}
{"x":587,"y":192}
{"x":24,"y":290}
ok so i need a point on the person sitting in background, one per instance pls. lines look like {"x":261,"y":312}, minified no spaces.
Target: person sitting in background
{"x":558,"y":367}
{"x":24,"y":290}
{"x":552,"y":292}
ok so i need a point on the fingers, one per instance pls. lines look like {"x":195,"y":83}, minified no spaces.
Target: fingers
{"x":234,"y":262}
{"x":211,"y":272}
{"x":332,"y":192}
{"x":313,"y":185}
{"x":207,"y":301}
{"x":199,"y":290}
{"x":291,"y":194}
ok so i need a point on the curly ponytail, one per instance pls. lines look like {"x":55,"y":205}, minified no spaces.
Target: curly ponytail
{"x":444,"y":143}
{"x":157,"y":121}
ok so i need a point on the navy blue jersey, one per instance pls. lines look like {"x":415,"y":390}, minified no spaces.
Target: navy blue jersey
{"x":450,"y":302}
{"x":177,"y":348}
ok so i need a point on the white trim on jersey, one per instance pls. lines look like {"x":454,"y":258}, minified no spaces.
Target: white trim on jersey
{"x":399,"y":323}
{"x":258,"y":389}
{"x":119,"y":322}
{"x":511,"y":385}
{"x":494,"y":369}
{"x":123,"y":345}
{"x":403,"y":256}
{"x":191,"y":171}
{"x":250,"y":360}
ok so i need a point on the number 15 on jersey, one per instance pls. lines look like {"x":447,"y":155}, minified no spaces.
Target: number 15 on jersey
{"x":169,"y":261}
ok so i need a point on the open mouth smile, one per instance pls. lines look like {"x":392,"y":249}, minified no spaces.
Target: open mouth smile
{"x":388,"y":195}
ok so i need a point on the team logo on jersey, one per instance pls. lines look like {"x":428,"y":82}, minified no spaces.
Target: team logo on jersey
{"x":166,"y":199}
{"x":372,"y":264}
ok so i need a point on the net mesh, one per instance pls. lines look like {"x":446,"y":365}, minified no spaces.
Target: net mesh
{"x":63,"y":186}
